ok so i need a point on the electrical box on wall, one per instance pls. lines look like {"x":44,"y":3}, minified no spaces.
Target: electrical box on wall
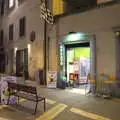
{"x":32,"y":36}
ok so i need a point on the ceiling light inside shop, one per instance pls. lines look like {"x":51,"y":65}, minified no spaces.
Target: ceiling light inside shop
{"x":74,"y":37}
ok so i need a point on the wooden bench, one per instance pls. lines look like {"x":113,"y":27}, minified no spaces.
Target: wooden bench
{"x":26,"y":92}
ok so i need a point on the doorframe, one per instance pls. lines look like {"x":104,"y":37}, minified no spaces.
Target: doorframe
{"x":74,"y":48}
{"x":89,"y":38}
{"x":23,"y":74}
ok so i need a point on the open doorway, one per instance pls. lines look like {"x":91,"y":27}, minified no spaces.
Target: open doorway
{"x":22,"y":63}
{"x":77,"y":64}
{"x":77,"y":59}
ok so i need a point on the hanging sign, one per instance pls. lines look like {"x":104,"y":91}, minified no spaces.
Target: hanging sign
{"x":52,"y":79}
{"x":46,"y":14}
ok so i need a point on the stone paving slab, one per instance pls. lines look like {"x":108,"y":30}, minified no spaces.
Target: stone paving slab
{"x":95,"y":105}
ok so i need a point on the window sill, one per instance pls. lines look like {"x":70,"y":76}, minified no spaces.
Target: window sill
{"x":22,"y":37}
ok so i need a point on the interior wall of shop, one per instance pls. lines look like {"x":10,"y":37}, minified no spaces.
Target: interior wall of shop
{"x":34,"y":22}
{"x":99,"y":22}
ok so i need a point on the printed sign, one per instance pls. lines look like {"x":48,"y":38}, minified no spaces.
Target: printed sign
{"x":52,"y":79}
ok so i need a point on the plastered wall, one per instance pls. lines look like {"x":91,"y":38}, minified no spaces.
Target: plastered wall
{"x":99,"y":22}
{"x":34,"y":22}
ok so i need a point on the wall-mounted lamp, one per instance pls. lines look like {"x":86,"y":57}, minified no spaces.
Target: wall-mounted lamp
{"x":29,"y":48}
{"x":15,"y":49}
{"x":11,"y":3}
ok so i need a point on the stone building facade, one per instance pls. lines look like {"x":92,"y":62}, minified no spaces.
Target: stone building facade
{"x":102,"y":22}
{"x":31,"y":11}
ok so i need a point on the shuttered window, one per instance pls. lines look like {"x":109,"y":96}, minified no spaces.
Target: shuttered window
{"x":2,"y":7}
{"x":1,"y":37}
{"x":11,"y":29}
{"x":22,"y":26}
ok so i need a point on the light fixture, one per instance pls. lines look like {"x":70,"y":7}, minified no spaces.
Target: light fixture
{"x":74,"y":37}
{"x":11,"y":3}
{"x":29,"y":48}
{"x":15,"y":49}
{"x":118,"y":33}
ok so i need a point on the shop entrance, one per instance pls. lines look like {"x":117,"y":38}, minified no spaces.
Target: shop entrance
{"x":77,"y":64}
{"x":77,"y":58}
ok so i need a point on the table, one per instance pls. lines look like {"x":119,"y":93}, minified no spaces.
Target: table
{"x":4,"y":89}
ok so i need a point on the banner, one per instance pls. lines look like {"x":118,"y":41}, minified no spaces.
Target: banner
{"x":46,"y":14}
{"x":4,"y":90}
{"x":52,"y":79}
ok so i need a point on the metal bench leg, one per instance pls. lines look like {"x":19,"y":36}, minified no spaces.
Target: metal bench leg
{"x":44,"y":105}
{"x":35,"y":107}
{"x":8,"y":99}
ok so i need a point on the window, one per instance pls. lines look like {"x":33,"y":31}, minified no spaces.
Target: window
{"x":22,"y":26}
{"x":11,"y":3}
{"x":2,"y":7}
{"x":11,"y":28}
{"x":79,"y":5}
{"x":1,"y":37}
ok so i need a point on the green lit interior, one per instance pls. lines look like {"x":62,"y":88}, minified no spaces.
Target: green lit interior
{"x":82,"y":52}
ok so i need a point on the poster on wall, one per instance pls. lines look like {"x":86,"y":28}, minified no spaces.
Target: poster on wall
{"x":52,"y":79}
{"x":84,"y":68}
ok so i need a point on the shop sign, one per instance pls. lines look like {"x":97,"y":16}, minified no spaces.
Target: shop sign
{"x":52,"y":79}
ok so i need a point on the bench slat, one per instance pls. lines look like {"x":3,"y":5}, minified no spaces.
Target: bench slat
{"x":28,"y":89}
{"x":26,"y":92}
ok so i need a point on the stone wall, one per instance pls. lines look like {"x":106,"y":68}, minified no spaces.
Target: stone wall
{"x":31,"y":10}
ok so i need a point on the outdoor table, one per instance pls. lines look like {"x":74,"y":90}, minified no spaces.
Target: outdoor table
{"x":4,"y":89}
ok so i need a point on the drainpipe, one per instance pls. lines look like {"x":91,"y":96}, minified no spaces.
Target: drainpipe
{"x":44,"y":49}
